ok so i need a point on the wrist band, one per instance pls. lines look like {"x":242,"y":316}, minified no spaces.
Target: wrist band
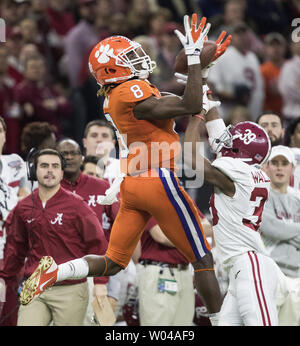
{"x":193,"y":59}
{"x":203,"y":270}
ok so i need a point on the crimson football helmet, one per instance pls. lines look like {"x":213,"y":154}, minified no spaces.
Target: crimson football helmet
{"x":116,"y":59}
{"x":247,"y":141}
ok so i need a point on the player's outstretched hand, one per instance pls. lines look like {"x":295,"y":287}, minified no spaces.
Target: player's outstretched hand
{"x":221,"y":49}
{"x":192,"y":47}
{"x":222,"y":45}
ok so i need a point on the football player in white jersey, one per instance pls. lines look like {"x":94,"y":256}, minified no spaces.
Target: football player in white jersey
{"x":12,"y":180}
{"x":241,"y":189}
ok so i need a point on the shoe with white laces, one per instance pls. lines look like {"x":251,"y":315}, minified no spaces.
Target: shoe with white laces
{"x":44,"y":276}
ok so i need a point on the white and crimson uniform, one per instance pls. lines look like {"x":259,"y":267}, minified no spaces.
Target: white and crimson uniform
{"x":12,"y":171}
{"x":253,"y":275}
{"x":150,"y":187}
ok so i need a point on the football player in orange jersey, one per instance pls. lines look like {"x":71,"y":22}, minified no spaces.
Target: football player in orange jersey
{"x":143,"y":121}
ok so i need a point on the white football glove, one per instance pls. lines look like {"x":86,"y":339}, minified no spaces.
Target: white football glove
{"x":206,"y":103}
{"x":191,"y":47}
{"x":181,"y":78}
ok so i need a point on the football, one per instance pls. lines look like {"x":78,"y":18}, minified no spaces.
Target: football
{"x":206,"y":56}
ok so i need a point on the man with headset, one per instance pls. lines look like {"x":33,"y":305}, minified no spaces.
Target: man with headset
{"x":52,"y":221}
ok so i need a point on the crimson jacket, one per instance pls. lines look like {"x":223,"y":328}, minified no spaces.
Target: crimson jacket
{"x":67,"y":228}
{"x":90,"y":189}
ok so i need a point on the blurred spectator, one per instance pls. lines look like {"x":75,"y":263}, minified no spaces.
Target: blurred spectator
{"x":37,"y":13}
{"x":90,"y":166}
{"x":39,"y":135}
{"x":238,"y":114}
{"x":273,"y":124}
{"x":8,"y":13}
{"x":30,"y":34}
{"x":275,"y":51}
{"x":150,"y":47}
{"x":165,"y":59}
{"x":99,"y":140}
{"x":60,"y":21}
{"x":293,"y":134}
{"x":235,"y":12}
{"x":156,"y":22}
{"x":27,"y":50}
{"x":118,"y":25}
{"x":160,"y":262}
{"x":22,"y":8}
{"x":80,"y":38}
{"x":137,"y":16}
{"x":6,"y":83}
{"x":292,"y":140}
{"x":8,"y":107}
{"x":236,"y":76}
{"x":104,"y":11}
{"x":280,"y":229}
{"x":38,"y":100}
{"x":180,"y":8}
{"x":289,"y":84}
{"x":14,"y":44}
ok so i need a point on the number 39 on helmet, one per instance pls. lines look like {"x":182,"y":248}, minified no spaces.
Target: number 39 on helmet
{"x":117,"y":59}
{"x":247,"y":141}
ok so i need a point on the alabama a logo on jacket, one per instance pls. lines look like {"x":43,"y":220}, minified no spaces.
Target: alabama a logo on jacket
{"x":58,"y":219}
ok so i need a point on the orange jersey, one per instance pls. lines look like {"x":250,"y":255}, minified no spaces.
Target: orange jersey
{"x":144,"y":144}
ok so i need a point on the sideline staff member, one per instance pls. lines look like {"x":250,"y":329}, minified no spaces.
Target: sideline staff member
{"x":52,"y":221}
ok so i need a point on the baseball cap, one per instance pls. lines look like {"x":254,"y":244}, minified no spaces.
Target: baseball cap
{"x":274,"y":37}
{"x":281,"y":150}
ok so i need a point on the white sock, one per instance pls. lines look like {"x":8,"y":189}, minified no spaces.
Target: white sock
{"x":75,"y":269}
{"x":214,"y":318}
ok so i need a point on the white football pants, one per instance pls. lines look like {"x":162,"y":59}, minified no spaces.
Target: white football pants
{"x":251,"y":295}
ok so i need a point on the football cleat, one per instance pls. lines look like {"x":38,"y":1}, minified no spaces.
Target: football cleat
{"x":44,"y":276}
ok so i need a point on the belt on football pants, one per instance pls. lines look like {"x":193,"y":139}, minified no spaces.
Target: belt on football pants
{"x":178,"y":266}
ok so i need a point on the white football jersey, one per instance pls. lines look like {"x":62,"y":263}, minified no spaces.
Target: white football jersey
{"x":236,"y":219}
{"x":12,"y":171}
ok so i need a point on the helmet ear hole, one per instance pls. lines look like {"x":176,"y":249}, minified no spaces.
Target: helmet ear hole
{"x":235,"y":150}
{"x":109,"y":70}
